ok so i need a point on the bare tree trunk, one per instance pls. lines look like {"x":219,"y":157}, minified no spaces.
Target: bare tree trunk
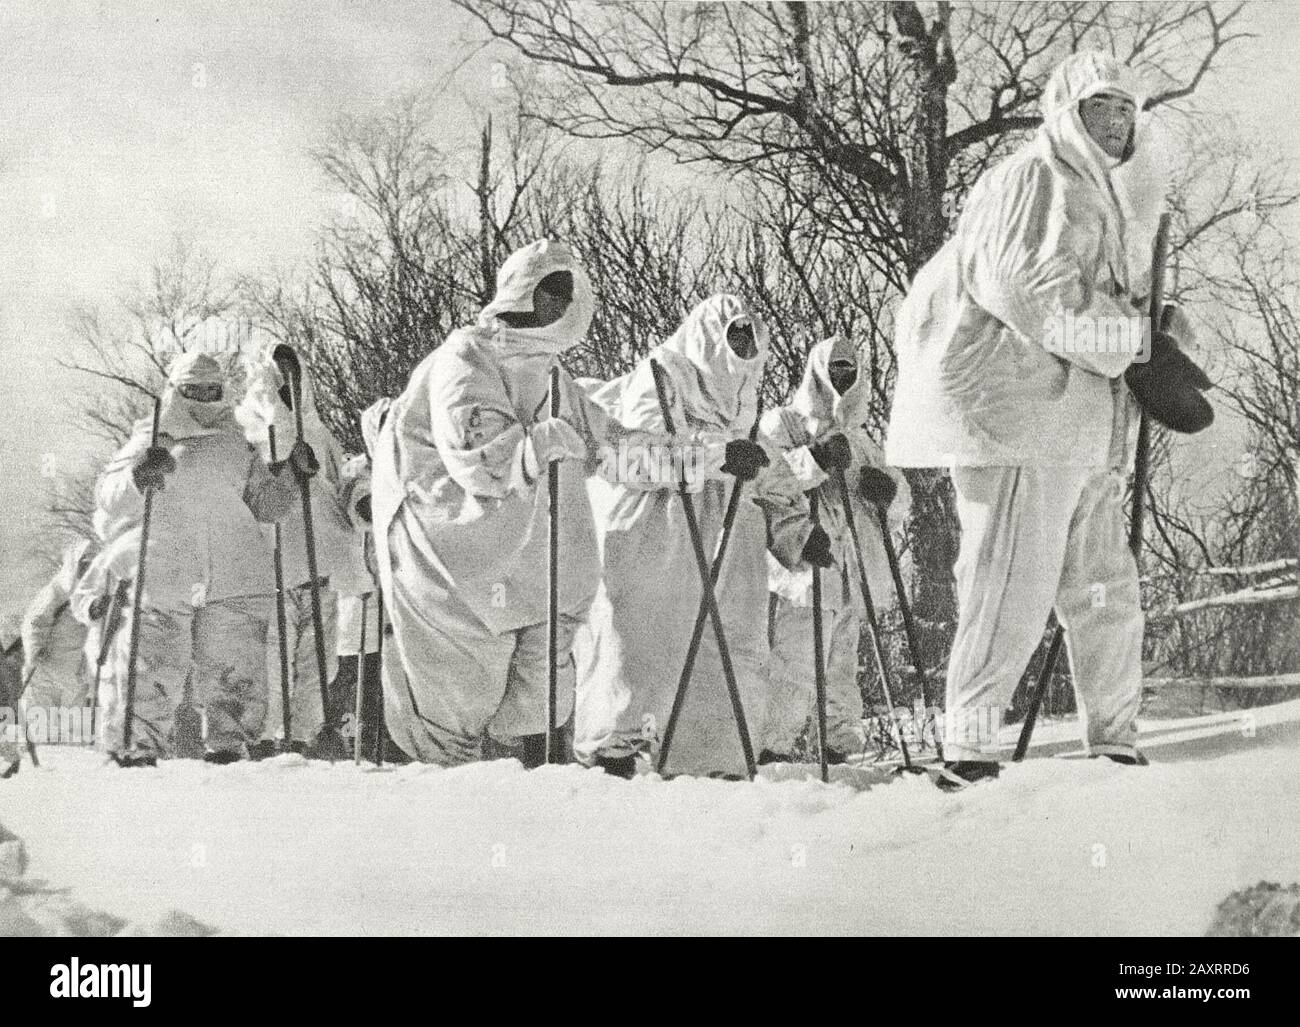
{"x":933,"y":533}
{"x":483,"y":190}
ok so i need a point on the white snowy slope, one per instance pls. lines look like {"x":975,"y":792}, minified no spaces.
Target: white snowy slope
{"x":1056,"y":846}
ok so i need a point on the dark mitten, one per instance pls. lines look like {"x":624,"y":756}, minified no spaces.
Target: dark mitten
{"x":152,"y":469}
{"x":744,"y":459}
{"x":832,"y":453}
{"x":817,"y":550}
{"x":877,"y":487}
{"x":1168,"y":386}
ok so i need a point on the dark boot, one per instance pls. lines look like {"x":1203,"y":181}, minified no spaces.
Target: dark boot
{"x":768,"y":756}
{"x":327,"y":745}
{"x":134,"y":759}
{"x":187,"y":732}
{"x":263,"y":750}
{"x":533,"y":747}
{"x":1133,"y":759}
{"x":617,"y":766}
{"x":960,"y":774}
{"x":224,"y":757}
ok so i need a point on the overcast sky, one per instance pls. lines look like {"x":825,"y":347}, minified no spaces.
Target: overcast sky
{"x":126,"y":122}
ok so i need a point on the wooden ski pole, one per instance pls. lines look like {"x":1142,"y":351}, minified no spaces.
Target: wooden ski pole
{"x":361,"y":679}
{"x":909,"y":626}
{"x":21,"y":724}
{"x":553,"y":582}
{"x":381,"y":729}
{"x":137,"y":604}
{"x":873,"y":626}
{"x":329,"y":740}
{"x":702,"y":614}
{"x":706,"y":581}
{"x":112,"y":620}
{"x":1155,"y":311}
{"x":819,"y":656}
{"x":281,"y":618}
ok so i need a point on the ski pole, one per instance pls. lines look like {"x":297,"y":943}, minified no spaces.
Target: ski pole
{"x":21,"y":718}
{"x":112,"y":621}
{"x":102,"y":654}
{"x":138,"y":602}
{"x":873,"y":627}
{"x":909,"y":625}
{"x":381,"y":728}
{"x":706,"y":581}
{"x":281,"y":619}
{"x":1155,"y":309}
{"x":21,"y":714}
{"x":329,"y":739}
{"x":361,"y":677}
{"x":819,"y":657}
{"x":702,"y":614}
{"x":553,"y":581}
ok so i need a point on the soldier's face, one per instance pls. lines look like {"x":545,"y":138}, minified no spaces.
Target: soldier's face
{"x":551,"y":298}
{"x":1108,"y":119}
{"x":843,"y":374}
{"x":740,"y":337}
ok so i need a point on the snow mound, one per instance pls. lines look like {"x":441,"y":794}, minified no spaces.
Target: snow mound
{"x":1055,"y":846}
{"x":1265,"y":911}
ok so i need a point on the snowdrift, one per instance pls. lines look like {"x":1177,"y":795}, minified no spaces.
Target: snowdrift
{"x":1056,"y":846}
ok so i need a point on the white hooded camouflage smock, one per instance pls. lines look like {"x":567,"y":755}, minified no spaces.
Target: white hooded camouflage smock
{"x":1002,"y":379}
{"x":461,"y":524}
{"x":264,"y":404}
{"x":816,"y":411}
{"x":208,"y":582}
{"x":632,"y":655}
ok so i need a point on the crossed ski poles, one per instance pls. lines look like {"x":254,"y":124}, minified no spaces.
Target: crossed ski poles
{"x":708,"y":601}
{"x":1155,"y":310}
{"x":702,"y":616}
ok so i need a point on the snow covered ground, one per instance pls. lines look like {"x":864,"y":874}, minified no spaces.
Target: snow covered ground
{"x":1056,"y":846}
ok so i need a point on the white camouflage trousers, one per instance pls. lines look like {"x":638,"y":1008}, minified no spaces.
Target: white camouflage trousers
{"x":792,"y":686}
{"x":1034,"y":538}
{"x":305,"y":716}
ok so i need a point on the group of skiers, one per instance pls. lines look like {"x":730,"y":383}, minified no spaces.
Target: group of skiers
{"x":657,"y":546}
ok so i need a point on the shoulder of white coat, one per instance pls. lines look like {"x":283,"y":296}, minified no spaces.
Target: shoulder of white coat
{"x":1027,"y":170}
{"x":772,"y":423}
{"x":465,"y":353}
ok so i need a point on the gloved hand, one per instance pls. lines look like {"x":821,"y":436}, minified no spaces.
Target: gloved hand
{"x":877,"y":487}
{"x":151,"y":470}
{"x":362,"y":507}
{"x":1169,"y":387}
{"x":817,"y":550}
{"x":832,"y":452}
{"x":556,"y":439}
{"x":302,"y":458}
{"x":99,"y":607}
{"x":744,"y":459}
